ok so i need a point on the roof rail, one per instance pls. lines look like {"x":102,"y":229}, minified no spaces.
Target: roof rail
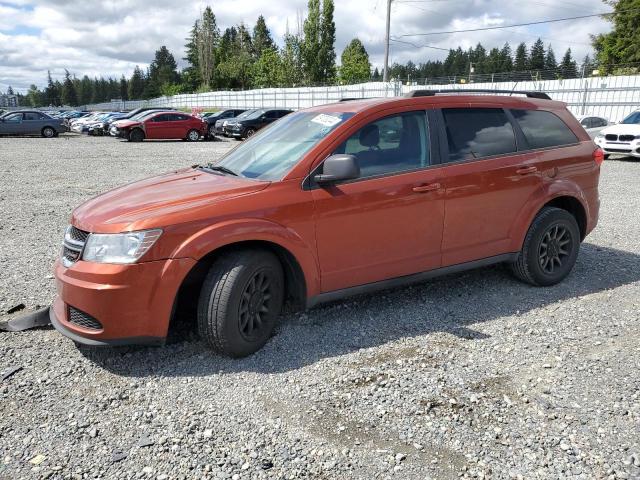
{"x":431,"y":93}
{"x":351,"y":99}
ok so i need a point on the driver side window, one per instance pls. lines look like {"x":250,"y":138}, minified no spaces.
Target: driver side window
{"x":390,"y":145}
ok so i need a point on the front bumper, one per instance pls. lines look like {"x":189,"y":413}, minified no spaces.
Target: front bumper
{"x":619,"y":148}
{"x":132,"y":304}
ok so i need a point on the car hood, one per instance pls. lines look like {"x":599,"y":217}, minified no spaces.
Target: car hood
{"x":622,"y":129}
{"x":125,"y":123}
{"x":161,"y":201}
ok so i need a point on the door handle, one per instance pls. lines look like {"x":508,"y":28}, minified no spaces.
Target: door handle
{"x":431,"y":187}
{"x":526,"y":170}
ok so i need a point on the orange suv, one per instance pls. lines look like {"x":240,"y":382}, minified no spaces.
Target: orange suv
{"x":327,"y":202}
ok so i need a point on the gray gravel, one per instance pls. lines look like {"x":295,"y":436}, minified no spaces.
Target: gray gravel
{"x":472,"y":375}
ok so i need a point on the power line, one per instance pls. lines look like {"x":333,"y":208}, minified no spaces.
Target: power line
{"x":511,"y":26}
{"x":395,"y":40}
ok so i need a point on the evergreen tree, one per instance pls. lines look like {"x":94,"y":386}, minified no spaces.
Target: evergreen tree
{"x":355,"y":66}
{"x":69,"y":95}
{"x":376,"y":77}
{"x":191,"y":74}
{"x":521,"y":62}
{"x":207,"y":39}
{"x":136,"y":84}
{"x":124,"y":88}
{"x":568,"y":67}
{"x":537,"y":56}
{"x":268,"y":70}
{"x":506,"y":60}
{"x":10,"y":91}
{"x":262,"y":37}
{"x":327,"y":41}
{"x":311,"y":44}
{"x":621,"y":44}
{"x":51,"y":93}
{"x":162,"y":72}
{"x":550,"y":60}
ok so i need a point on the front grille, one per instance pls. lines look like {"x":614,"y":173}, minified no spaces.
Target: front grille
{"x":618,"y":150}
{"x":83,"y":320}
{"x":626,"y":138}
{"x":611,"y":137}
{"x":74,"y":240}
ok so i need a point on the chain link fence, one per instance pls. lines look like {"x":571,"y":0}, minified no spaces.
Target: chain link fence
{"x":612,"y":97}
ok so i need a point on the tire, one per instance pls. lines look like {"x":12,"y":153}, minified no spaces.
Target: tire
{"x":136,"y":135}
{"x":606,"y":156}
{"x":236,"y":289}
{"x":550,"y":248}
{"x":212,"y":132}
{"x":49,"y":132}
{"x":193,"y":136}
{"x":249,"y":133}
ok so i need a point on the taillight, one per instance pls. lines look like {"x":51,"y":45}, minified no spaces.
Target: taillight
{"x":598,"y":156}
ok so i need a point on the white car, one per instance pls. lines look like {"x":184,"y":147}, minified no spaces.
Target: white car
{"x":623,"y":138}
{"x":593,"y":124}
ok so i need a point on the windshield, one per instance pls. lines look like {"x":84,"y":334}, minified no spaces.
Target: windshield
{"x":272,"y":153}
{"x":246,"y":114}
{"x":632,"y":119}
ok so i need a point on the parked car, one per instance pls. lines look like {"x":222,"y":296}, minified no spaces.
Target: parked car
{"x":622,"y":138}
{"x":82,"y":125}
{"x":134,"y":114}
{"x":246,"y":127}
{"x":30,"y":122}
{"x":320,"y":206}
{"x":213,"y":119}
{"x":593,"y":124}
{"x":114,"y":129}
{"x":101,"y":127}
{"x":163,"y":126}
{"x":224,"y":126}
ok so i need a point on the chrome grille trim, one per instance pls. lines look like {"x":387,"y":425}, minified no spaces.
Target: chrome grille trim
{"x":73,"y":245}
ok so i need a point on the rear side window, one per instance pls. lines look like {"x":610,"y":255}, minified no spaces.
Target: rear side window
{"x":544,"y":129}
{"x":33,"y":116}
{"x":478,"y":132}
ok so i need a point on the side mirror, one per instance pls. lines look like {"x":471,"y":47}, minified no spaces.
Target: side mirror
{"x":338,"y":167}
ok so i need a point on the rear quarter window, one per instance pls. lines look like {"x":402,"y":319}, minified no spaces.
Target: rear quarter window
{"x":544,"y":129}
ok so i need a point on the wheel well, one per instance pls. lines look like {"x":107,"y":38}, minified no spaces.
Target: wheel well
{"x":185,"y":304}
{"x":575,"y":208}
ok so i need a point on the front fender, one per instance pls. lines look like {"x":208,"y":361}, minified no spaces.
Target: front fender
{"x":545,"y":194}
{"x":230,"y":232}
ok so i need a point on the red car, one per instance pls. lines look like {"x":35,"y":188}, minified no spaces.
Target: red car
{"x":163,"y":126}
{"x":328,"y":202}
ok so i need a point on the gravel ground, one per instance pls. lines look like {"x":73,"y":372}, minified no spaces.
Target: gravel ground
{"x":472,"y":375}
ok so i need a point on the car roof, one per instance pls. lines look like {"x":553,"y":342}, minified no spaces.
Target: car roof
{"x":360,"y":105}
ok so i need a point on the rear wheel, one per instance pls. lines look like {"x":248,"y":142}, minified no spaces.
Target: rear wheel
{"x":193,"y":136}
{"x":136,"y":135}
{"x":550,"y":248}
{"x":48,"y":132}
{"x":240,"y":301}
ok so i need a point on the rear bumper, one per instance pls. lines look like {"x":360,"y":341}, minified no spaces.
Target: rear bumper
{"x":132,"y":304}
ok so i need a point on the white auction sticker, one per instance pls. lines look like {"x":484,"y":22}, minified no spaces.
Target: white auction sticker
{"x":326,"y":120}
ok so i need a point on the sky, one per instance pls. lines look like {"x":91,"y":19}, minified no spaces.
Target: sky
{"x":108,"y":38}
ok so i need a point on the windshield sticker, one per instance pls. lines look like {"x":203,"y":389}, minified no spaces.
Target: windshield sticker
{"x":326,"y":120}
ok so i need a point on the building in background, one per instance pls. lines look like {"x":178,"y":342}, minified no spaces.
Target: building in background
{"x":8,"y":100}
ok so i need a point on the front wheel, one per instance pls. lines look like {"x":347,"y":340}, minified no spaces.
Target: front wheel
{"x":240,"y":301}
{"x":250,"y":133}
{"x":193,"y":136}
{"x":550,"y":248}
{"x":136,"y":135}
{"x":212,"y":132}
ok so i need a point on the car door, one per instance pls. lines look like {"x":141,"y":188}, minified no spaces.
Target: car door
{"x":180,"y":125}
{"x":487,"y":181}
{"x":11,"y":124}
{"x":157,"y":127}
{"x":388,"y":222}
{"x":32,"y":122}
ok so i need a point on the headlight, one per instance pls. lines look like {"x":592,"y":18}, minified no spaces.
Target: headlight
{"x":599,"y":138}
{"x":119,"y":247}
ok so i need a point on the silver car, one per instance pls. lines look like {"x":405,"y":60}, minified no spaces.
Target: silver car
{"x":30,"y":122}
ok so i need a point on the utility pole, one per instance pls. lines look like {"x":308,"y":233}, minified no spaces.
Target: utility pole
{"x":385,"y":74}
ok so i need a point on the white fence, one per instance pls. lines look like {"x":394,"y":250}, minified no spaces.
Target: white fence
{"x":611,"y":97}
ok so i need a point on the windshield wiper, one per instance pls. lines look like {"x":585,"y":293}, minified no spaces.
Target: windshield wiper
{"x":220,"y":168}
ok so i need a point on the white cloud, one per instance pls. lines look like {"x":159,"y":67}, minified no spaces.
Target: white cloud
{"x":110,"y":37}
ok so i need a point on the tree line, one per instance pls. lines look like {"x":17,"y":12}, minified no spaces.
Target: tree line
{"x":241,"y":57}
